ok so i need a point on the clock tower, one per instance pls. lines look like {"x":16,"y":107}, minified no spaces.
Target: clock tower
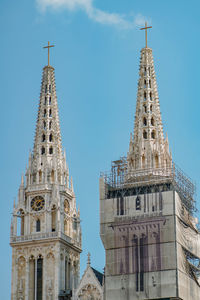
{"x":45,"y":229}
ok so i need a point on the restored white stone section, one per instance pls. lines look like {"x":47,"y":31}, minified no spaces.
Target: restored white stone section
{"x":46,"y":223}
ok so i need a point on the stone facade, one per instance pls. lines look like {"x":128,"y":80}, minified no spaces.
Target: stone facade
{"x":146,"y":212}
{"x":91,"y":284}
{"x":45,"y":229}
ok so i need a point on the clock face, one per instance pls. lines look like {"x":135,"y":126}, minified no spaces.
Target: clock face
{"x":37,"y":203}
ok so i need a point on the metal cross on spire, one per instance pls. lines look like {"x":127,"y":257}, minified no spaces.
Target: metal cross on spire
{"x":146,"y":27}
{"x":49,"y":46}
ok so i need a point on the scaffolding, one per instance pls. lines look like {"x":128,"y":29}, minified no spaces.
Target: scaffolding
{"x":148,"y":180}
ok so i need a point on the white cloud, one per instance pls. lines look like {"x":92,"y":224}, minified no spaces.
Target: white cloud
{"x":93,"y":13}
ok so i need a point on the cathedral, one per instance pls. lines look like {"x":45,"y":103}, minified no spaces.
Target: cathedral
{"x":147,"y":223}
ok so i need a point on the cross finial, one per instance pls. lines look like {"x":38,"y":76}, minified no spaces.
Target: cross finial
{"x":49,"y":46}
{"x":88,"y":260}
{"x":146,"y":27}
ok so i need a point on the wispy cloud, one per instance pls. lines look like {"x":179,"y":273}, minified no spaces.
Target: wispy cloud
{"x":95,"y":14}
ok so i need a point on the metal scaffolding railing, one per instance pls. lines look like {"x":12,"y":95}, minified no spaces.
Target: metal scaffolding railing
{"x":124,"y":177}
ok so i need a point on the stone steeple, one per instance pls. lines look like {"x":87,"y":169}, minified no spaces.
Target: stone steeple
{"x":47,"y":153}
{"x":46,"y":212}
{"x":148,"y":148}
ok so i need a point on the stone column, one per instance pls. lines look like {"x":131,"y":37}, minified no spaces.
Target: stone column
{"x":27,"y":280}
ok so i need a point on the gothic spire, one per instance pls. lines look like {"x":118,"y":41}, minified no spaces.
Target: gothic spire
{"x":148,"y":148}
{"x":47,"y":162}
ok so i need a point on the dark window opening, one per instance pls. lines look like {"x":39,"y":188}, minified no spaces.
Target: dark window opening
{"x":50,"y":150}
{"x":50,"y":113}
{"x":152,"y":122}
{"x":50,"y":138}
{"x":50,"y":124}
{"x":45,"y":112}
{"x":43,"y":137}
{"x":43,"y":150}
{"x":120,"y":206}
{"x":38,"y":225}
{"x":150,"y":83}
{"x":50,"y":88}
{"x":138,"y":203}
{"x":49,"y":100}
{"x":145,"y":83}
{"x":145,"y":135}
{"x":153,"y":135}
{"x":150,"y":107}
{"x":45,"y":88}
{"x":145,"y":96}
{"x":45,"y":100}
{"x":145,"y":108}
{"x":39,"y":278}
{"x":44,"y":125}
{"x":144,"y":121}
{"x":150,"y":96}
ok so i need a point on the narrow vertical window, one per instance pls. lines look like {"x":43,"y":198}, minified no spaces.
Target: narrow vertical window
{"x":50,"y":100}
{"x":50,"y":88}
{"x":38,"y":225}
{"x":45,"y":88}
{"x":43,"y":137}
{"x":50,"y":113}
{"x":44,"y":124}
{"x":145,"y":96}
{"x":137,"y":203}
{"x":120,"y":206}
{"x":45,"y":113}
{"x":50,"y":137}
{"x":50,"y":123}
{"x":45,"y":100}
{"x":42,"y":150}
{"x":51,"y":150}
{"x":39,"y":278}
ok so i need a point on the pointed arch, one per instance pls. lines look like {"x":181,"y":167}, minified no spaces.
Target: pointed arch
{"x":156,"y":161}
{"x":53,"y":218}
{"x":153,"y":134}
{"x":152,"y":121}
{"x":144,"y":121}
{"x":38,"y":225}
{"x":145,"y":134}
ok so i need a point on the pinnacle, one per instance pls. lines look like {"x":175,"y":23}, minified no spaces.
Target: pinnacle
{"x":147,"y":149}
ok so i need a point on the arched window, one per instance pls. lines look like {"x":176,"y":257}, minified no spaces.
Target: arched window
{"x":150,"y":83}
{"x":38,"y":225}
{"x":45,"y":100}
{"x":145,"y":71}
{"x":145,"y":134}
{"x":45,"y":88}
{"x":50,"y":100}
{"x":137,"y":203}
{"x":50,"y":123}
{"x":145,"y":108}
{"x":42,"y":150}
{"x":120,"y":206}
{"x":43,"y":137}
{"x":40,"y":176}
{"x":156,"y":161}
{"x":50,"y":137}
{"x":145,"y":83}
{"x":52,"y":176}
{"x":151,"y":108}
{"x":143,"y":161}
{"x":50,"y":88}
{"x":20,"y":225}
{"x":150,"y":95}
{"x":45,"y":113}
{"x":44,"y":124}
{"x":51,"y":150}
{"x":53,"y":218}
{"x":145,"y":96}
{"x":152,"y":122}
{"x":144,"y":121}
{"x":50,"y":114}
{"x":153,"y":134}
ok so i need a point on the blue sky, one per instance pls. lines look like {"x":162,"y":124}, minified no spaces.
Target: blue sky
{"x":96,"y":62}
